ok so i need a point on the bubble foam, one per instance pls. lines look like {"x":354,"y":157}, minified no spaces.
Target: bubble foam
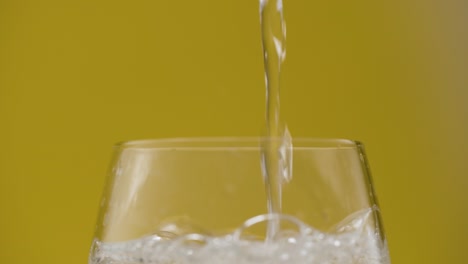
{"x":358,"y":244}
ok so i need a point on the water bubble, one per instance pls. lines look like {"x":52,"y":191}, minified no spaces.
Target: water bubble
{"x":179,"y":226}
{"x":250,"y":223}
{"x":193,"y":240}
{"x":354,"y":222}
{"x":309,"y":244}
{"x":292,"y":240}
{"x":163,"y":235}
{"x":189,"y":252}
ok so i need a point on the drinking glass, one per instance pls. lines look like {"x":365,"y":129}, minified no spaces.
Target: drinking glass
{"x":204,"y":201}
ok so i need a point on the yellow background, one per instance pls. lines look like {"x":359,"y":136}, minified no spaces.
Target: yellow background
{"x":78,"y":76}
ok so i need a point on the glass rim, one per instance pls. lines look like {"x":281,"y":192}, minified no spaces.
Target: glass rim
{"x":234,"y":142}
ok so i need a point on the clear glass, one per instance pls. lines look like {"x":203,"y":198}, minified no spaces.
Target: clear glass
{"x":203,"y":201}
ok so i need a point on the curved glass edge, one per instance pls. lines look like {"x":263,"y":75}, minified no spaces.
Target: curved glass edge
{"x":371,"y":191}
{"x":229,"y":142}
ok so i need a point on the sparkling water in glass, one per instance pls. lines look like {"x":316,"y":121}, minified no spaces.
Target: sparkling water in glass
{"x":203,"y":201}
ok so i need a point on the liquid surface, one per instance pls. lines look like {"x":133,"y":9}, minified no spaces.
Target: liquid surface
{"x":352,"y":242}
